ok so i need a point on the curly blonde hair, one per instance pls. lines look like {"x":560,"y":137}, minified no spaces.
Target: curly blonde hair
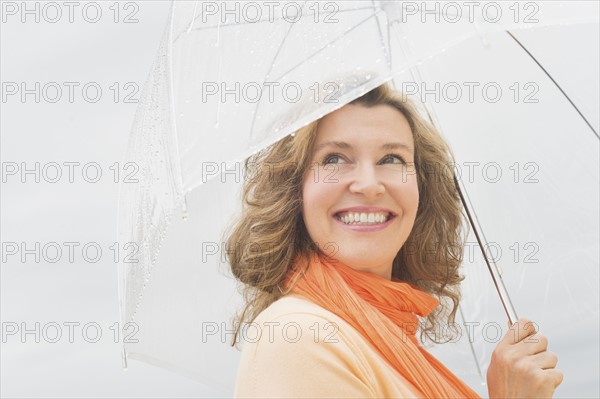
{"x":271,"y":231}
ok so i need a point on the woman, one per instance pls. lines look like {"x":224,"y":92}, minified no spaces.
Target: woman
{"x":354,"y":232}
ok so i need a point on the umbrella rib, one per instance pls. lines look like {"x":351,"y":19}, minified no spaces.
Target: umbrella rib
{"x":555,"y":83}
{"x":312,"y":14}
{"x":326,"y":45}
{"x":302,"y":62}
{"x":388,"y":57}
{"x":471,"y":345}
{"x":269,"y":72}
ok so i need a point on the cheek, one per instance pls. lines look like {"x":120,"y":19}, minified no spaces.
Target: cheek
{"x":309,"y":197}
{"x":317,"y":194}
{"x":317,"y":201}
{"x":310,"y":211}
{"x":413,"y":191}
{"x":407,"y":194}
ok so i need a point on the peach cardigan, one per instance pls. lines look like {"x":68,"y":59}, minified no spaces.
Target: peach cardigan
{"x":296,"y":349}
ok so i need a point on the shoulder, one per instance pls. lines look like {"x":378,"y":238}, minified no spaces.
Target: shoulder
{"x":293,"y":319}
{"x":294,"y":304}
{"x":296,"y":348}
{"x":297,"y":310}
{"x":294,"y":324}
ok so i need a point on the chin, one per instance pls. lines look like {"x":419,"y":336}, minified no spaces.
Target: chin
{"x":362,"y":261}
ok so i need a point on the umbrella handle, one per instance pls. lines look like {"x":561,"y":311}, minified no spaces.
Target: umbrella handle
{"x":492,"y":267}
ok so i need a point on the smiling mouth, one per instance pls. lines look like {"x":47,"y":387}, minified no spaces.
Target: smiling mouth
{"x":363,"y":218}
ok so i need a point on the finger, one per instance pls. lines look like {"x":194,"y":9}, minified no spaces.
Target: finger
{"x":533,"y":344}
{"x":521,"y":329}
{"x":555,"y":376}
{"x":545,"y":360}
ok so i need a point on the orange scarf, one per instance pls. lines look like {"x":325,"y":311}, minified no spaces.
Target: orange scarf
{"x":383,"y":311}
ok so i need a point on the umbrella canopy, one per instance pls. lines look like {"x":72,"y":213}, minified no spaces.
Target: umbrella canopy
{"x":521,"y":120}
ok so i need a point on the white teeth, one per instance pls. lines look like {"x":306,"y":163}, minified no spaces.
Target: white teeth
{"x":364,"y":218}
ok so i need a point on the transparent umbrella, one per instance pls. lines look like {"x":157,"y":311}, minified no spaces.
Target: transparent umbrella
{"x":233,"y":78}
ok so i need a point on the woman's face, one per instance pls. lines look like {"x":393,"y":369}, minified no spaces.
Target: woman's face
{"x":360,"y":196}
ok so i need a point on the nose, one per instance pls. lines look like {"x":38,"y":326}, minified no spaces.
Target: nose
{"x":365,"y":181}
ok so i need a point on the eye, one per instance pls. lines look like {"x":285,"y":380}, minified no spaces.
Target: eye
{"x":332,"y":159}
{"x":392,"y":158}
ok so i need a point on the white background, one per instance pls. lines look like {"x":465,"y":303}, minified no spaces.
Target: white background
{"x":104,"y":52}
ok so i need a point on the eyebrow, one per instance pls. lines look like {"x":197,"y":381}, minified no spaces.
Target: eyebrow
{"x":344,"y":145}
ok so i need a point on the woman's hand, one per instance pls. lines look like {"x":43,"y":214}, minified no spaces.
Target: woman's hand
{"x":521,"y":367}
